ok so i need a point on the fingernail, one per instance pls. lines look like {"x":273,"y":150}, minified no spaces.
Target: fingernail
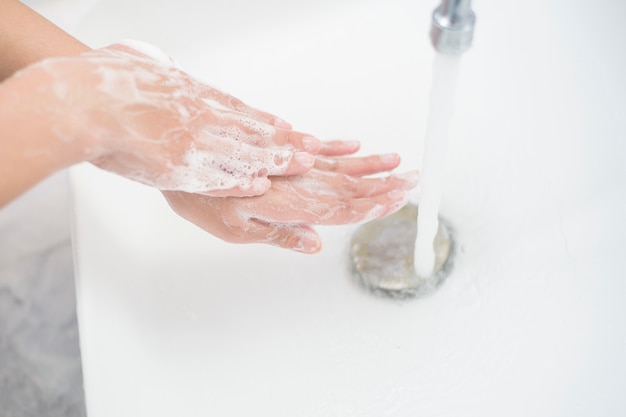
{"x":305,"y":159}
{"x":311,"y":144}
{"x":278,"y":122}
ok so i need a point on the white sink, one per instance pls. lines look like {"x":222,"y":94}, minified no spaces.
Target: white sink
{"x":532,"y":321}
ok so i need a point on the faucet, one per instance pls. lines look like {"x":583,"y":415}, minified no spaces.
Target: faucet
{"x":452,"y":27}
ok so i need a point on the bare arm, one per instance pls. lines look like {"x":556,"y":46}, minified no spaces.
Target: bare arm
{"x":28,"y":152}
{"x":27,"y":37}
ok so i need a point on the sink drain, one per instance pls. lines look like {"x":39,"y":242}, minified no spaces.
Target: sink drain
{"x":382,"y":252}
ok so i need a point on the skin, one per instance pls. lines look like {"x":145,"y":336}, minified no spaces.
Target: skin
{"x":151,"y":122}
{"x":283,"y":215}
{"x":239,"y":173}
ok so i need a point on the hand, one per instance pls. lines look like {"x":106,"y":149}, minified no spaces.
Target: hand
{"x":334,"y":192}
{"x":138,"y":115}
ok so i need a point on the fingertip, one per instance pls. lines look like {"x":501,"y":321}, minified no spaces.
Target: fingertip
{"x":390,"y":160}
{"x":352,"y":146}
{"x":411,"y":179}
{"x":398,"y":195}
{"x":308,"y":242}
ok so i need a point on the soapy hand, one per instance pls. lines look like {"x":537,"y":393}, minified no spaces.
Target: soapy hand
{"x":239,"y":173}
{"x":139,"y":116}
{"x":335,"y":192}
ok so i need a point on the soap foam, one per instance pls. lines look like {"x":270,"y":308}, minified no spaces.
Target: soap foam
{"x":150,"y":50}
{"x":227,"y":149}
{"x":204,"y":171}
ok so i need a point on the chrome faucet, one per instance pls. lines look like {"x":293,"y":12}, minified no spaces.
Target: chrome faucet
{"x":452,"y":26}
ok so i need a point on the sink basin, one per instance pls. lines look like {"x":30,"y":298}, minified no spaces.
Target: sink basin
{"x":532,"y":320}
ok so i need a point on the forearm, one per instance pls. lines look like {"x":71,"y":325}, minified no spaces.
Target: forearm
{"x":29,"y":150}
{"x":27,"y":37}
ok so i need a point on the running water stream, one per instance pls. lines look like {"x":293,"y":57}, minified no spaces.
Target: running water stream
{"x":443,"y":87}
{"x":408,"y":253}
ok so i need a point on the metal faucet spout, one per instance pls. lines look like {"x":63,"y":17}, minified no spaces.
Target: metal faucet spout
{"x":452,"y":26}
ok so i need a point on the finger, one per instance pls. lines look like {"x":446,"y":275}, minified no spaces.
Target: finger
{"x":339,"y":147}
{"x":334,"y":211}
{"x":298,"y":163}
{"x":218,"y":217}
{"x":257,"y":186}
{"x":239,"y":169}
{"x":322,"y":185}
{"x":367,"y":187}
{"x":299,"y":238}
{"x":246,"y":128}
{"x":364,"y":210}
{"x":214,"y":96}
{"x":263,"y":162}
{"x":297,"y":140}
{"x":367,"y":165}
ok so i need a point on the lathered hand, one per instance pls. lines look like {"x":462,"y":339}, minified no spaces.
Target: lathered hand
{"x":334,"y":192}
{"x":136,"y":114}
